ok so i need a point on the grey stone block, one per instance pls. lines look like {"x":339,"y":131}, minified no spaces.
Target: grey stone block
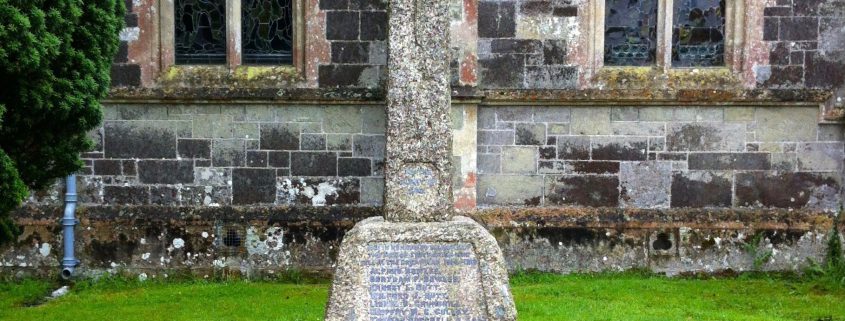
{"x":139,"y":139}
{"x":730,"y":161}
{"x":253,"y":186}
{"x":530,"y":133}
{"x":586,"y":190}
{"x":551,"y":77}
{"x":552,"y":114}
{"x":645,"y":184}
{"x":818,"y":191}
{"x":228,"y":153}
{"x":820,"y":156}
{"x":786,"y":124}
{"x":280,"y":136}
{"x":573,"y":147}
{"x":591,"y":121}
{"x":313,"y":164}
{"x":510,"y":189}
{"x":519,"y":160}
{"x":701,"y":189}
{"x":624,"y":114}
{"x":489,"y":163}
{"x":372,"y":190}
{"x":312,"y":142}
{"x":706,"y":137}
{"x":620,"y":148}
{"x":497,"y":137}
{"x":165,"y":171}
{"x":368,"y":146}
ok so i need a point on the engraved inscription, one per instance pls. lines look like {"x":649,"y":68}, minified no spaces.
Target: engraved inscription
{"x":418,"y":180}
{"x":424,"y":282}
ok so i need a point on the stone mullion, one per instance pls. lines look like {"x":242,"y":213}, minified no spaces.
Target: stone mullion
{"x":664,"y":34}
{"x":167,"y":33}
{"x":233,"y":33}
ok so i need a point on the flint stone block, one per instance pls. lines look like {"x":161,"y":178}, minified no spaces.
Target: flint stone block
{"x":587,"y":190}
{"x":374,"y":26}
{"x":706,"y":137}
{"x":645,"y":184}
{"x":787,"y":190}
{"x":139,"y":139}
{"x":253,"y":186}
{"x":620,"y":148}
{"x":813,"y":156}
{"x":701,"y":189}
{"x":510,"y":189}
{"x":318,"y":191}
{"x":479,"y":281}
{"x":166,"y":171}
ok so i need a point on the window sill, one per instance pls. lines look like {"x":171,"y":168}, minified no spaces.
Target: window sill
{"x":672,"y":79}
{"x":193,"y":76}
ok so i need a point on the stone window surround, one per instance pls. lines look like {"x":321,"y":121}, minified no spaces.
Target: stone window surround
{"x":734,"y":40}
{"x":233,"y":45}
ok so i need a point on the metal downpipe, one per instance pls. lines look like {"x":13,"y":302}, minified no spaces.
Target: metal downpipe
{"x":69,"y":222}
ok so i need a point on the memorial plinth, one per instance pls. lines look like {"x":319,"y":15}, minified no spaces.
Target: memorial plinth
{"x":451,"y":270}
{"x":419,"y":262}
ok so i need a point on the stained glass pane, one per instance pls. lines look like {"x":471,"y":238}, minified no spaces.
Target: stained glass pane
{"x":698,"y":36}
{"x":630,"y":35}
{"x":267,"y":27}
{"x":200,"y":31}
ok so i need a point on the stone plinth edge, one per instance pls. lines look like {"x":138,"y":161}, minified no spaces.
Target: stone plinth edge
{"x":349,"y":299}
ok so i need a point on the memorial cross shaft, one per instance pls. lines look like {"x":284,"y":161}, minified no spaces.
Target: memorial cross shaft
{"x":419,"y":262}
{"x":418,"y":184}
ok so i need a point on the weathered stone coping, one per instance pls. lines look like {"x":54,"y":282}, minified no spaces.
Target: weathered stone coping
{"x":698,"y":97}
{"x":490,"y":217}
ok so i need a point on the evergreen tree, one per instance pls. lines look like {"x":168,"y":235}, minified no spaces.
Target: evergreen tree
{"x":55,"y":57}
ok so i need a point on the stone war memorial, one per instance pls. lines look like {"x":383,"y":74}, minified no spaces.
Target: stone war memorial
{"x":419,"y":261}
{"x":418,"y":151}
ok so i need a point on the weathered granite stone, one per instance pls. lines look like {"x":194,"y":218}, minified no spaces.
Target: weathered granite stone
{"x":435,"y":265}
{"x":418,"y":160}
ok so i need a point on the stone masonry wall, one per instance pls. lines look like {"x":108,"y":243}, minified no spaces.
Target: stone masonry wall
{"x":807,"y":38}
{"x":659,"y":157}
{"x":201,"y":155}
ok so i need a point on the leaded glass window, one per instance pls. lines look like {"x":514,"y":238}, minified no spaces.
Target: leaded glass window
{"x":200,"y":31}
{"x":698,"y":35}
{"x":630,"y":37}
{"x":267,"y":27}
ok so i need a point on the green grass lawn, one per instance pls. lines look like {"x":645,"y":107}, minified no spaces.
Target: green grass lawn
{"x":538,"y":297}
